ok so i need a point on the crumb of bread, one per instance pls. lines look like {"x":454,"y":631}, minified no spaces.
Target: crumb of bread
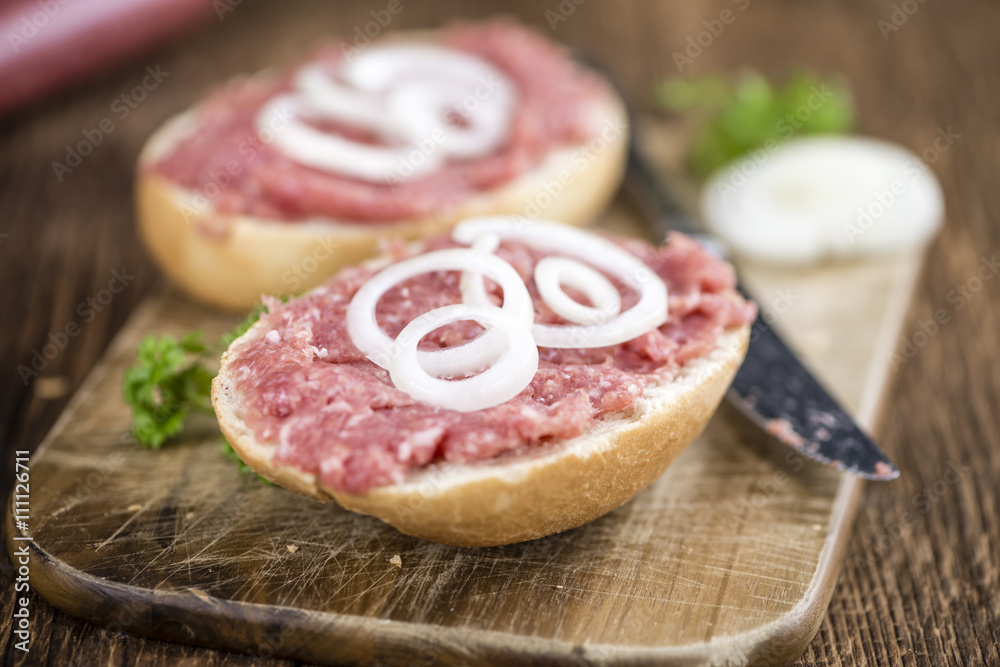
{"x":292,"y":548}
{"x":396,"y":560}
{"x":134,"y":508}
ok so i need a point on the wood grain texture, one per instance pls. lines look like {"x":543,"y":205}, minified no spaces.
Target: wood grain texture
{"x":917,"y":589}
{"x":728,"y":558}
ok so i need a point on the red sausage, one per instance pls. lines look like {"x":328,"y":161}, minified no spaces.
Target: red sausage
{"x":53,"y":43}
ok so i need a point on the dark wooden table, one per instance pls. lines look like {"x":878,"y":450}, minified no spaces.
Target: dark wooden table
{"x":921,"y":584}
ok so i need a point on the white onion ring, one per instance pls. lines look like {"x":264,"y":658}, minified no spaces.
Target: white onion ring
{"x":424,"y":105}
{"x":501,"y":362}
{"x":552,"y":272}
{"x":328,"y":98}
{"x":472,"y":284}
{"x":469,"y":357}
{"x":403,"y":94}
{"x":504,"y":379}
{"x":380,"y":67}
{"x":647,"y":314}
{"x":330,"y":152}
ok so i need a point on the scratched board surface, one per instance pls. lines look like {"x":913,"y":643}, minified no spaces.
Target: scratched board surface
{"x":729,"y":558}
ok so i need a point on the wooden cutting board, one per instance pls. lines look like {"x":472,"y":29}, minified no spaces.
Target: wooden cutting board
{"x":730,"y":558}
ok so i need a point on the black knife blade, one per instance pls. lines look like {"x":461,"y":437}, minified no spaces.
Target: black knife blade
{"x":772,"y":387}
{"x":779,"y":394}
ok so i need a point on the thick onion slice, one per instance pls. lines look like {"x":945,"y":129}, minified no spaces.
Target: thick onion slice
{"x":504,"y":379}
{"x":555,"y":237}
{"x":551,"y":273}
{"x":817,"y":198}
{"x":456,"y":361}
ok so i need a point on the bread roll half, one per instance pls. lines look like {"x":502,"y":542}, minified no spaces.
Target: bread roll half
{"x":229,"y":261}
{"x":557,"y":486}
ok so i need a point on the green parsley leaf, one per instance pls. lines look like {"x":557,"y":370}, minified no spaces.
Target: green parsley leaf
{"x":167,"y":381}
{"x":751,"y":113}
{"x":170,"y":379}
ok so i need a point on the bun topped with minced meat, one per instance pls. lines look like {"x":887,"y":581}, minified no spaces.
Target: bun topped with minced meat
{"x":275,"y":181}
{"x":508,"y":381}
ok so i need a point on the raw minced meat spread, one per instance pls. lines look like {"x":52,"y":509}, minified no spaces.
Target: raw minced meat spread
{"x":330,"y":411}
{"x":224,"y":160}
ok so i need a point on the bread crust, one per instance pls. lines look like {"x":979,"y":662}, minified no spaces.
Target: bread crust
{"x":552,"y":488}
{"x":229,"y":261}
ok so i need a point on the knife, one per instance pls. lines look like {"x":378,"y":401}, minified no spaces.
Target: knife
{"x":772,"y":387}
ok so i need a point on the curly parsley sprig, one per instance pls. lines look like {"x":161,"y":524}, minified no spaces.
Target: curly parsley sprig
{"x":170,"y":379}
{"x":167,"y":382}
{"x":751,"y":113}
